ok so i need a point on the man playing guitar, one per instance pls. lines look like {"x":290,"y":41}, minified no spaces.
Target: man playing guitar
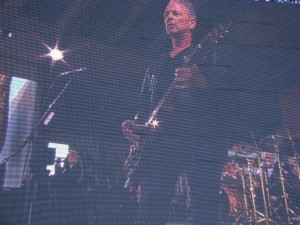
{"x":187,"y":134}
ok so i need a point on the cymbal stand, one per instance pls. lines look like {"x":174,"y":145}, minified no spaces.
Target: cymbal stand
{"x":252,"y":192}
{"x":245,"y":195}
{"x":263,"y":186}
{"x":265,"y":174}
{"x":265,"y":190}
{"x":281,"y":178}
{"x":256,"y":216}
{"x":296,"y":155}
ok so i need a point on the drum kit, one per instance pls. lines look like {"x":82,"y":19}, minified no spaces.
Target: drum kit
{"x":260,"y":184}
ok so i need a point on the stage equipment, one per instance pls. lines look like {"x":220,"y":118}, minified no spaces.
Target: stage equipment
{"x":295,"y":159}
{"x":260,"y":182}
{"x":282,"y":147}
{"x":251,"y":180}
{"x":31,"y":137}
{"x":34,"y":130}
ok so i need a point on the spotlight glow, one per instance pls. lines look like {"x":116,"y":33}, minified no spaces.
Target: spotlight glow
{"x":55,"y":53}
{"x":155,"y":123}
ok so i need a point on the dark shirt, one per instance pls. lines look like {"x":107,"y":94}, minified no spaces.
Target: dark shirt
{"x":194,"y":114}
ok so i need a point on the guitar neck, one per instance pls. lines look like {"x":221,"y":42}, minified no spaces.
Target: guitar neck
{"x":212,"y":37}
{"x":170,"y":88}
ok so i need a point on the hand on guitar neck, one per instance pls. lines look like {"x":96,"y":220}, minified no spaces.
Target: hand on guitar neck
{"x":133,"y":131}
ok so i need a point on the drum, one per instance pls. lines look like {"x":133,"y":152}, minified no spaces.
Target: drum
{"x":231,"y":175}
{"x":231,"y":205}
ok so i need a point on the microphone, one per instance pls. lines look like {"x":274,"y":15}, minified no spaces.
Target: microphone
{"x":72,"y":71}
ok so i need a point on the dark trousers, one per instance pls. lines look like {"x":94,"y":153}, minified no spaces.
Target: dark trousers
{"x":203,"y":167}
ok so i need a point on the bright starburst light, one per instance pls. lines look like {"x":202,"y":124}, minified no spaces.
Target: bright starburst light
{"x":55,"y":53}
{"x":155,"y":123}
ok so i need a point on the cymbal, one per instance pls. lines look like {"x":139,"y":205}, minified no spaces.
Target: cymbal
{"x":273,"y":143}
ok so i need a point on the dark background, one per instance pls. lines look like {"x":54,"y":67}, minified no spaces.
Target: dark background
{"x":258,"y":61}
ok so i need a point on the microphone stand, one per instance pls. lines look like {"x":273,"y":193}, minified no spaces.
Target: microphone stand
{"x":43,"y":118}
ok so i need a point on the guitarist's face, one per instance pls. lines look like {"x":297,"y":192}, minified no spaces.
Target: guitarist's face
{"x":177,"y":19}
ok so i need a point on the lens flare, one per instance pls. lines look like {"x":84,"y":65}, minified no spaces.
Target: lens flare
{"x":55,"y":53}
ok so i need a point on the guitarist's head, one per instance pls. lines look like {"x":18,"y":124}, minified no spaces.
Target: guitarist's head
{"x":180,"y":19}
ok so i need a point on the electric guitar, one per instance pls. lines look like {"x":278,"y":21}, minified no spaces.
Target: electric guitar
{"x":136,"y":149}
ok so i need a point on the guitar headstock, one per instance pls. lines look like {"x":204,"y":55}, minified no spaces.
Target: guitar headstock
{"x":217,"y":33}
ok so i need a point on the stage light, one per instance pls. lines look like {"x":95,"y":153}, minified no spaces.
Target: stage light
{"x":155,"y":123}
{"x":55,"y":53}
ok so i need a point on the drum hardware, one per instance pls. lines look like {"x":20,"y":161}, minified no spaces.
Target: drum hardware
{"x":280,"y":216}
{"x":296,"y":154}
{"x":278,"y":205}
{"x":264,"y":188}
{"x":253,"y":216}
{"x":268,"y":200}
{"x":268,"y":143}
{"x":281,"y":179}
{"x":245,"y":196}
{"x":249,"y":181}
{"x":249,"y":153}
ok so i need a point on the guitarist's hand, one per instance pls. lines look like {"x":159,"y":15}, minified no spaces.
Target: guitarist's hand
{"x":132,"y":131}
{"x":189,"y":77}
